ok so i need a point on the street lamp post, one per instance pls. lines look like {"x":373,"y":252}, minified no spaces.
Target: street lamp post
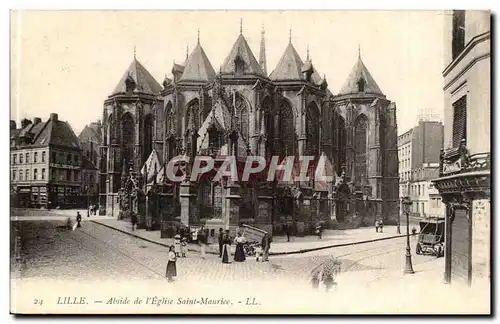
{"x":398,"y":229}
{"x":408,"y":265}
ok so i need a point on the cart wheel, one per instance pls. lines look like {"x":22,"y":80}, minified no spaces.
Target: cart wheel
{"x":418,"y":249}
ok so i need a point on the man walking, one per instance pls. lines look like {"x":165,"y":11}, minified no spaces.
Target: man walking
{"x":78,"y":219}
{"x":266,"y":245}
{"x":221,"y":241}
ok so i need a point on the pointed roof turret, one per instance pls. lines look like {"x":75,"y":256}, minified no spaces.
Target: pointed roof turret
{"x":143,"y":81}
{"x":198,"y":67}
{"x":360,"y":80}
{"x":289,"y":66}
{"x":262,"y":54}
{"x":241,"y":52}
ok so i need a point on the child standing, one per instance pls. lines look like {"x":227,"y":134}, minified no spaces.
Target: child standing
{"x":258,"y":253}
{"x":177,"y":244}
{"x":184,"y":247}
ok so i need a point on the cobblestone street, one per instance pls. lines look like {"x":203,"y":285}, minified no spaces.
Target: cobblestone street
{"x":95,"y":259}
{"x":94,"y":251}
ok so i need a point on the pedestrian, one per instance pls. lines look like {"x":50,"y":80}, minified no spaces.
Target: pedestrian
{"x":177,"y":244}
{"x":319,"y":231}
{"x":171,"y":264}
{"x":413,"y":230}
{"x":315,"y":280}
{"x":239,"y":252}
{"x":381,"y":226}
{"x":133,"y":219}
{"x":328,"y":280}
{"x":288,"y":231}
{"x":226,"y":249}
{"x":376,"y":226}
{"x":202,"y":242}
{"x":78,"y":219}
{"x":266,"y":246}
{"x":221,"y":241}
{"x":194,"y":236}
{"x":184,"y":247}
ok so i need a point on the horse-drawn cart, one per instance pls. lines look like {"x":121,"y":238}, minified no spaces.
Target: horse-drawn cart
{"x":253,"y":236}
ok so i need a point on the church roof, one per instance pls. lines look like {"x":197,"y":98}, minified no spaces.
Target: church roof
{"x":198,"y":67}
{"x":360,"y":71}
{"x":242,"y":50}
{"x":144,"y":81}
{"x":289,"y":66}
{"x":91,"y":132}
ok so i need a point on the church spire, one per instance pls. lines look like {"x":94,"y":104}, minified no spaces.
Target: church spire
{"x":198,"y":36}
{"x":134,"y":53}
{"x":290,"y":36}
{"x":262,"y":54}
{"x":359,"y":51}
{"x":241,"y":26}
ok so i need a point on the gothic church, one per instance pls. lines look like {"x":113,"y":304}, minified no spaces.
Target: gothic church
{"x":242,"y":110}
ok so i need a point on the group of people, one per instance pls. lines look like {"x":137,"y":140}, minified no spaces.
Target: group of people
{"x":261,"y":249}
{"x":93,"y":210}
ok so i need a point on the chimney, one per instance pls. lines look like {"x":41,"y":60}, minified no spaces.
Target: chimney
{"x":53,"y":117}
{"x":13,"y":124}
{"x":37,"y":120}
{"x":25,"y":122}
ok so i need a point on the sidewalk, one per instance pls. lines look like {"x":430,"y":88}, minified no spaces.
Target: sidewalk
{"x":279,"y":246}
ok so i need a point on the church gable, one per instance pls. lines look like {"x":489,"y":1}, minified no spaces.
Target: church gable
{"x":241,"y":59}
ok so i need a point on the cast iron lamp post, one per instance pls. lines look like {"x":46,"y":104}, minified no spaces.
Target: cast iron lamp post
{"x":398,"y":228}
{"x":408,"y":265}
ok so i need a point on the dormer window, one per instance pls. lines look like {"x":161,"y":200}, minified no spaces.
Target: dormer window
{"x":239,"y":65}
{"x":361,"y":85}
{"x":129,"y":84}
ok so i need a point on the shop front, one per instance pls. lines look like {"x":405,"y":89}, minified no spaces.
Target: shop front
{"x":464,"y":185}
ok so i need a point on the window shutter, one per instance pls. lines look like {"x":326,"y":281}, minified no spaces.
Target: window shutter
{"x":459,"y":121}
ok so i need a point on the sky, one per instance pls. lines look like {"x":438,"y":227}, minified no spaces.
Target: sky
{"x":68,"y":62}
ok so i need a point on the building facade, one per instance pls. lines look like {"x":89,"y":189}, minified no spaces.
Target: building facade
{"x":45,"y":165}
{"x":419,"y":151}
{"x":464,"y":178}
{"x":244,"y":111}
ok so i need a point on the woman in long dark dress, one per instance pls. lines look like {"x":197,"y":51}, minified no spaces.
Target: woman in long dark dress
{"x":171,"y":266}
{"x":226,"y":248}
{"x":239,"y":253}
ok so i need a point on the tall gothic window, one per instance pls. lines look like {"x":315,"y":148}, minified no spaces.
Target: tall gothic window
{"x":217,"y":200}
{"x":192,"y":126}
{"x":128,"y":134}
{"x":360,"y":148}
{"x":148,"y":135}
{"x":109,"y":130}
{"x":168,"y":121}
{"x":267,"y":122}
{"x":243,"y":119}
{"x":312,"y":129}
{"x":341,"y":144}
{"x":287,"y":129}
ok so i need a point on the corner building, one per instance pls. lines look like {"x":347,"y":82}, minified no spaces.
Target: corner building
{"x":242,"y":111}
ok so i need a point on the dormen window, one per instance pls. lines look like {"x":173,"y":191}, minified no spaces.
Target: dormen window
{"x":239,"y":65}
{"x":459,"y":121}
{"x":458,"y":37}
{"x":361,"y":85}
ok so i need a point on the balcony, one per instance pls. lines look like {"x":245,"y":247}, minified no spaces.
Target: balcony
{"x":457,"y":161}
